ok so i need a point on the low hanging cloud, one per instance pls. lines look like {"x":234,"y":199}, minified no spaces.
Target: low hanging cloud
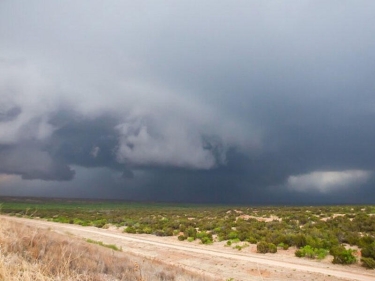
{"x":153,"y":125}
{"x":169,"y":143}
{"x":327,"y":181}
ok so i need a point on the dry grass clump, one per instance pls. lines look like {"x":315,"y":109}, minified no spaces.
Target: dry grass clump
{"x":31,"y":254}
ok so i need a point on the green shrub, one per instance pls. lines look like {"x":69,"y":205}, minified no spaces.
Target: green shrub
{"x":130,"y":229}
{"x":99,"y":223}
{"x":147,"y":230}
{"x":262,"y":247}
{"x":321,"y":253}
{"x":272,"y":248}
{"x":311,"y":253}
{"x":181,"y":237}
{"x":233,"y":235}
{"x":342,"y":255}
{"x":252,"y":240}
{"x":206,"y":240}
{"x":300,"y":240}
{"x":168,"y":231}
{"x":368,"y":262}
{"x":205,"y":237}
{"x":365,"y":241}
{"x":299,"y":253}
{"x":368,"y":251}
{"x":191,"y":232}
{"x":283,"y":246}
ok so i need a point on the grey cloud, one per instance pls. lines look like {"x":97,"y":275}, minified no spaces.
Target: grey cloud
{"x":30,"y":162}
{"x":127,"y":174}
{"x":154,"y":126}
{"x":10,"y":114}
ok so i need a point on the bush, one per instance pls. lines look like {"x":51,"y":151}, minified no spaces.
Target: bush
{"x":300,"y":240}
{"x":191,"y":232}
{"x":262,"y":247}
{"x":283,"y":246}
{"x":233,"y":235}
{"x":342,"y":255}
{"x":130,"y":229}
{"x":368,"y":251}
{"x":181,"y":237}
{"x":159,"y":232}
{"x":206,"y":240}
{"x":311,"y":253}
{"x":272,"y":248}
{"x":99,"y":223}
{"x":321,"y":253}
{"x":205,"y":237}
{"x":168,"y":231}
{"x":147,"y":230}
{"x":368,"y":262}
{"x":252,"y":240}
{"x":299,"y":253}
{"x":365,"y":241}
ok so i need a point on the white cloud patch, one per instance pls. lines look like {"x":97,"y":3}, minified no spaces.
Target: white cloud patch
{"x":328,"y":181}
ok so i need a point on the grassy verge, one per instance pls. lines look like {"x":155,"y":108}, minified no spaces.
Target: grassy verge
{"x":32,"y":254}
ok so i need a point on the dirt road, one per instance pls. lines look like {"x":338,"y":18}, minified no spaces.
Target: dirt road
{"x":213,"y":260}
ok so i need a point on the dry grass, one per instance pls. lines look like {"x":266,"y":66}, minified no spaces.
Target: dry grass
{"x":31,"y":254}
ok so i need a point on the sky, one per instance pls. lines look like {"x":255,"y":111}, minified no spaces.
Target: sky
{"x":237,"y":102}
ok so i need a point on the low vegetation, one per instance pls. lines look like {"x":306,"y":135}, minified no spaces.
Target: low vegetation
{"x":110,"y":246}
{"x":31,"y":254}
{"x":263,"y":247}
{"x":347,"y":233}
{"x":312,"y":253}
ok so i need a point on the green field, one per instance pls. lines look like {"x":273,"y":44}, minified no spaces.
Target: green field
{"x":315,"y":231}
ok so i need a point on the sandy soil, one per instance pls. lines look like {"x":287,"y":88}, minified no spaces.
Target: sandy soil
{"x":214,"y":260}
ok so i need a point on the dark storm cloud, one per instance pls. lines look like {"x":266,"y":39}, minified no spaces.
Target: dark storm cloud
{"x":31,"y":162}
{"x":89,"y":143}
{"x":200,"y":101}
